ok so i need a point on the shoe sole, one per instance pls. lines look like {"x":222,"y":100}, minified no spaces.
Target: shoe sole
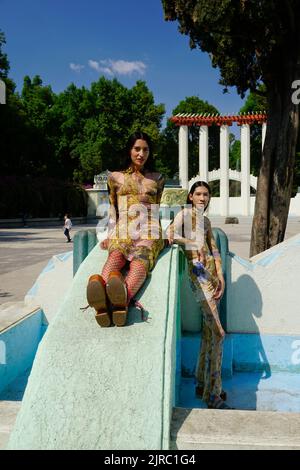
{"x":119,"y":317}
{"x":96,"y":298}
{"x":103,"y":319}
{"x":117,"y":294}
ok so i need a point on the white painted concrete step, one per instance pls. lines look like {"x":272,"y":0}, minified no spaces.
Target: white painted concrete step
{"x":201,"y":429}
{"x":8,"y":414}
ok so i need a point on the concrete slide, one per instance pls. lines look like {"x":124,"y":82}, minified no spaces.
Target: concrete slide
{"x":105,"y":388}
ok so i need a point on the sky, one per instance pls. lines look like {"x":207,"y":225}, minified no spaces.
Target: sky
{"x":67,"y":41}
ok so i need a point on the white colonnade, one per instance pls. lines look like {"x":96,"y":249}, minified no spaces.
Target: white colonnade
{"x":203,"y":121}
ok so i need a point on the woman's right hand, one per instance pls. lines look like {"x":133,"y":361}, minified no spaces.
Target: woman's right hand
{"x":170,"y":240}
{"x":201,"y":256}
{"x":104,"y":244}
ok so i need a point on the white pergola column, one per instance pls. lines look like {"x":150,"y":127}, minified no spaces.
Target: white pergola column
{"x":183,"y":156}
{"x":263,"y":134}
{"x":224,"y":170}
{"x":203,"y":153}
{"x":245,"y":168}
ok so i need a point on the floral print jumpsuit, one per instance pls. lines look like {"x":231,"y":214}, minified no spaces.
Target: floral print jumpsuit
{"x":208,"y":370}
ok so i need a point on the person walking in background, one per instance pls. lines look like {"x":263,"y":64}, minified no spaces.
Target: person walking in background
{"x":67,"y":227}
{"x":133,"y":193}
{"x":193,"y":230}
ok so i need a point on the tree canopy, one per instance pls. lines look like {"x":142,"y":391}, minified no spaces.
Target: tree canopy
{"x":77,"y":133}
{"x":4,"y":64}
{"x":254,"y":42}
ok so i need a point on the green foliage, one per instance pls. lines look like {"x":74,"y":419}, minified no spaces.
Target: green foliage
{"x":255,"y":104}
{"x":40,"y":197}
{"x":246,"y":39}
{"x":77,"y":133}
{"x":4,"y":64}
{"x":235,"y":154}
{"x":168,"y":145}
{"x":95,"y":124}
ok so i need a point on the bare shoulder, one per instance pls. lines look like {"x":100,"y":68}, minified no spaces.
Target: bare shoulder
{"x":116,"y":177}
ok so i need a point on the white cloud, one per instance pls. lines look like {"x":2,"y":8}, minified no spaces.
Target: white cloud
{"x":118,"y":67}
{"x":76,"y":67}
{"x":96,"y":66}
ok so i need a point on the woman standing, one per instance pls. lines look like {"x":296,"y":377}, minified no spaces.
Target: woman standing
{"x":193,"y":230}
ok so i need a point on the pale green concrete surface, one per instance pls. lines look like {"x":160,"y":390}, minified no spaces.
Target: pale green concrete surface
{"x":104,"y":388}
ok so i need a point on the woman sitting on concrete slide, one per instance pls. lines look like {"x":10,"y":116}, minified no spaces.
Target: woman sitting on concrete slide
{"x":134,"y":233}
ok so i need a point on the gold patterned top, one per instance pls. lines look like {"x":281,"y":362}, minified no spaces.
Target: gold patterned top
{"x":134,"y":226}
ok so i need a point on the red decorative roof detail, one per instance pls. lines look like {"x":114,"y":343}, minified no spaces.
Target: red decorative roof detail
{"x":219,"y":120}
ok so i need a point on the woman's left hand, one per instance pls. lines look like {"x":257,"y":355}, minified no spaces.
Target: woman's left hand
{"x":220,"y":289}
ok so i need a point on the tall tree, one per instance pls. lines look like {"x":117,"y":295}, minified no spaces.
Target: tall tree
{"x":12,"y":123}
{"x":4,"y":64}
{"x":95,"y":124}
{"x":251,"y":42}
{"x":255,"y":104}
{"x":37,"y":100}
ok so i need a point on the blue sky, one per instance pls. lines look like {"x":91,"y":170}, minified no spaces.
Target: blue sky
{"x":67,"y":41}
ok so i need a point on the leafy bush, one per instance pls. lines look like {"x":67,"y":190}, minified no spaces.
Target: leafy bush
{"x":40,"y":197}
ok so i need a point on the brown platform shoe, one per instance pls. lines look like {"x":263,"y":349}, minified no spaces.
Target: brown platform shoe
{"x":117,"y":293}
{"x":96,"y":297}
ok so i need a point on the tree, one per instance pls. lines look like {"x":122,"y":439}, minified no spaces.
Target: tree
{"x":4,"y":64}
{"x":251,"y":42}
{"x":93,"y":125}
{"x":169,"y":138}
{"x":254,"y":104}
{"x":12,"y":123}
{"x":37,"y":100}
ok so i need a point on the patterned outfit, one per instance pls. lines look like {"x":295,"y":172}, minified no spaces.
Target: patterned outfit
{"x":204,"y":283}
{"x":134,"y":229}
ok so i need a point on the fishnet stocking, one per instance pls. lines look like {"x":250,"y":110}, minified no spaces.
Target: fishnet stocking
{"x":114,"y":262}
{"x":135,"y":277}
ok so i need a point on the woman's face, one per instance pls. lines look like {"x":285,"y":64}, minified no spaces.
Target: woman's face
{"x":139,"y":153}
{"x":200,"y":197}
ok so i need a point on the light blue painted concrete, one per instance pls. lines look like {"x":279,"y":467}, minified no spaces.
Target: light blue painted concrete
{"x":259,"y":372}
{"x":15,"y":390}
{"x":49,"y":267}
{"x":34,"y":289}
{"x":65,"y":256}
{"x":105,"y":388}
{"x":247,"y":352}
{"x":263,"y":292}
{"x":242,"y":261}
{"x":263,"y":352}
{"x":251,"y":391}
{"x":21,"y":342}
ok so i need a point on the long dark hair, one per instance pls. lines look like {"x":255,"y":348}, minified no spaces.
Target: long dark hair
{"x":149,"y":165}
{"x":193,"y":189}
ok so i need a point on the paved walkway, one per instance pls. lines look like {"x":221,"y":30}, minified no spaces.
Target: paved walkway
{"x":24,"y":252}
